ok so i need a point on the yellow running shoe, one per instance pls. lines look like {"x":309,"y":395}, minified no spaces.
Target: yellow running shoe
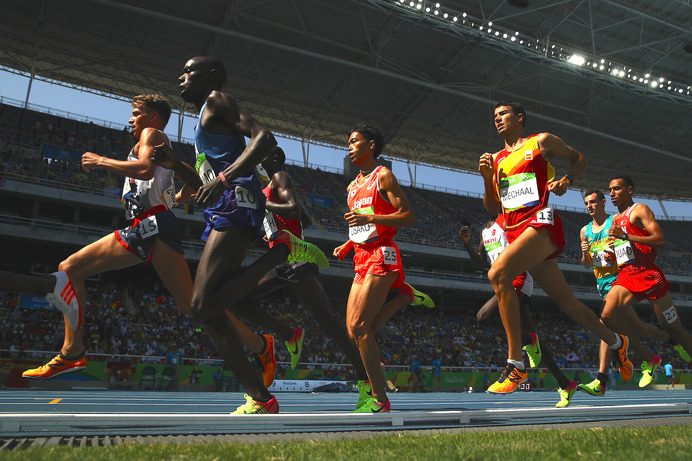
{"x":373,"y":406}
{"x":648,"y":369}
{"x":566,"y":395}
{"x":253,"y":407}
{"x":295,"y":346}
{"x":533,"y":350}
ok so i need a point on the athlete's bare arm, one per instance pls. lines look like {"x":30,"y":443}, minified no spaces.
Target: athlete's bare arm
{"x":143,"y":168}
{"x":342,"y":250}
{"x":643,"y":218}
{"x":290,"y":208}
{"x":222,"y":115}
{"x":165,"y":157}
{"x":586,"y":259}
{"x":477,"y":256}
{"x":551,"y":146}
{"x":389,"y":187}
{"x":486,"y":167}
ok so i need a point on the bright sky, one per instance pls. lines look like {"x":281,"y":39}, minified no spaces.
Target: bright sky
{"x":80,"y":105}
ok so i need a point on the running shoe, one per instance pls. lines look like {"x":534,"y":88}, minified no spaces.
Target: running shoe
{"x":295,"y":346}
{"x":64,"y":297}
{"x":683,"y":353}
{"x":418,"y":298}
{"x":59,"y":365}
{"x":293,"y":272}
{"x":364,"y":393}
{"x":533,"y":350}
{"x":301,"y":250}
{"x":267,"y":360}
{"x":648,"y":369}
{"x":566,"y":395}
{"x":593,"y":388}
{"x":373,"y":406}
{"x":620,"y":355}
{"x":253,"y":407}
{"x":509,"y":380}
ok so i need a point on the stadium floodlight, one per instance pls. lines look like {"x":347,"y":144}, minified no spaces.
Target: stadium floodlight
{"x":577,"y":60}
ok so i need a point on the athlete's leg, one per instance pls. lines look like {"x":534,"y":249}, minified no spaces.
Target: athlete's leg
{"x":617,"y":298}
{"x":221,"y":259}
{"x":527,"y":251}
{"x":639,"y":328}
{"x":103,"y":255}
{"x":550,"y":278}
{"x":400,"y":301}
{"x":311,"y":293}
{"x":20,"y":283}
{"x":364,"y":302}
{"x":175,"y":274}
{"x":668,"y":317}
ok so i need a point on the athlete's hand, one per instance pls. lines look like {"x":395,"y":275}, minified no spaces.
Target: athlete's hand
{"x":486,"y":167}
{"x":558,"y":187}
{"x":585,"y":246}
{"x":164,"y":156}
{"x":357,"y":219}
{"x":209,"y":193}
{"x":465,"y":234}
{"x":342,"y":250}
{"x":616,"y":231}
{"x":90,"y":161}
{"x":610,"y":257}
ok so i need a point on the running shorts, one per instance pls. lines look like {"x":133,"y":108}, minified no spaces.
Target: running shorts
{"x":140,"y":238}
{"x":546,"y":217}
{"x":643,"y":282}
{"x":523,"y":285}
{"x":247,"y":210}
{"x":378,"y":259}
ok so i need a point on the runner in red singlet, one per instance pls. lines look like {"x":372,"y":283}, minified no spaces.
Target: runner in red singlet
{"x":638,"y":237}
{"x":518,"y":181}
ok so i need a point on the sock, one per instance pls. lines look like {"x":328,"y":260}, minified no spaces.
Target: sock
{"x":618,"y":343}
{"x":520,"y":365}
{"x":603,"y":378}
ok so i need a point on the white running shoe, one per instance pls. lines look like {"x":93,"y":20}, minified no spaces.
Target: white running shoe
{"x":64,"y":297}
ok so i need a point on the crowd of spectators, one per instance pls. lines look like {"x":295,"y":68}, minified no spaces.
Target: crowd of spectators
{"x":137,"y":321}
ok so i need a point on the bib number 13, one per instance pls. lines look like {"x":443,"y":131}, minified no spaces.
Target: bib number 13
{"x":545,"y":216}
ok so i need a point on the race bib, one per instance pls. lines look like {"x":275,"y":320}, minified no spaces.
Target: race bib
{"x":389,"y":256}
{"x":244,"y":198}
{"x":364,"y":233}
{"x":518,"y":191}
{"x":545,"y":216}
{"x":599,"y":253}
{"x":204,"y":170}
{"x":270,"y":227}
{"x":148,"y":227}
{"x":493,"y":250}
{"x":670,"y":314}
{"x":624,"y":252}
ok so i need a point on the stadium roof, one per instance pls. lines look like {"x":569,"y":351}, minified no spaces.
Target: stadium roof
{"x":611,"y":77}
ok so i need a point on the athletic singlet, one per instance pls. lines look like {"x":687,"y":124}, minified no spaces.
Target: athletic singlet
{"x":494,"y":241}
{"x":366,"y":199}
{"x":274,"y":223}
{"x":600,"y":243}
{"x":631,"y":253}
{"x":522,"y":178}
{"x":140,"y":196}
{"x":215,"y":152}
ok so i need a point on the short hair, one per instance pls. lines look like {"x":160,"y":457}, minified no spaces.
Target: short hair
{"x":599,"y":194}
{"x":156,"y":103}
{"x":211,"y":63}
{"x":370,"y":133}
{"x":280,"y":156}
{"x":517,"y":108}
{"x":626,"y":179}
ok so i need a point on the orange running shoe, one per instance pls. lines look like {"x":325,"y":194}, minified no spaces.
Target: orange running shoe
{"x":624,"y":364}
{"x":266,"y":358}
{"x":509,"y":380}
{"x":56,"y":367}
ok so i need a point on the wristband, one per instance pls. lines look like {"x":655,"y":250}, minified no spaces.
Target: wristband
{"x":569,"y":178}
{"x":223,"y":179}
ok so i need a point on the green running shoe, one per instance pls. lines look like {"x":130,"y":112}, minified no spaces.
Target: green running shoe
{"x":683,"y":353}
{"x":364,"y":393}
{"x":593,"y":388}
{"x":418,"y":298}
{"x":373,"y":406}
{"x":295,"y":346}
{"x":301,"y":250}
{"x":566,"y":395}
{"x":533,"y":350}
{"x":648,"y":369}
{"x":253,"y":407}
